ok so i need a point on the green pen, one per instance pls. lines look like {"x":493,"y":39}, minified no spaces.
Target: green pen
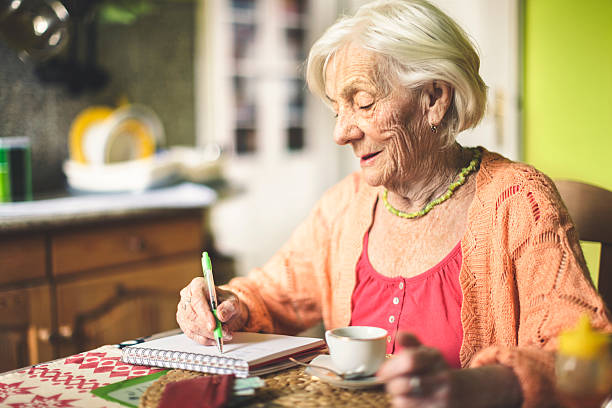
{"x":212,"y":295}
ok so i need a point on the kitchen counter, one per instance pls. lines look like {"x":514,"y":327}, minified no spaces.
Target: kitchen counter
{"x":81,"y":271}
{"x":80,"y":209}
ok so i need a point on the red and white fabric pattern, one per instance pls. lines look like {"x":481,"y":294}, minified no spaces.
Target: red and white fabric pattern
{"x":68,"y":382}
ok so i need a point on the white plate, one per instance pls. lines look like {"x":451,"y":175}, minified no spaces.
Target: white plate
{"x":164,"y":168}
{"x":325,"y":361}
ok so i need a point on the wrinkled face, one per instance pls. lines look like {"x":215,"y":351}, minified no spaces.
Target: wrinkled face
{"x":379,"y":125}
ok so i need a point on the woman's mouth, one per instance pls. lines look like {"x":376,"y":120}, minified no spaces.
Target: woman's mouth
{"x":368,"y":158}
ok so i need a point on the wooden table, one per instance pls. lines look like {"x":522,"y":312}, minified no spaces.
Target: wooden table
{"x":69,"y":381}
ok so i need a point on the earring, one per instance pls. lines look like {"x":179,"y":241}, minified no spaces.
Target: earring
{"x":434,"y":129}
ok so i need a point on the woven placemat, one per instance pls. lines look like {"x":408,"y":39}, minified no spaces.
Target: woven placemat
{"x":287,"y":388}
{"x":152,"y":396}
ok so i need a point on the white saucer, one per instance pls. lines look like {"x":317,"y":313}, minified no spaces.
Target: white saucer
{"x":325,"y":361}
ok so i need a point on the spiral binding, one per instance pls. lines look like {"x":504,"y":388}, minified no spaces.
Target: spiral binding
{"x":185,"y":361}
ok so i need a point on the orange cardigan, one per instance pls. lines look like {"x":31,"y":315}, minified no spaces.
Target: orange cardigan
{"x":523,"y":275}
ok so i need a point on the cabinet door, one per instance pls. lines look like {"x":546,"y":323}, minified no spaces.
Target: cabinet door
{"x":25,"y":326}
{"x":22,"y":258}
{"x":122,"y":303}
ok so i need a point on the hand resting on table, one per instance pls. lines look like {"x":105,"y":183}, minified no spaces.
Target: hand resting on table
{"x":418,"y":376}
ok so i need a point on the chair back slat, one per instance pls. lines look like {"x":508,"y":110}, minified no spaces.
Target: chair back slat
{"x":591,"y":210}
{"x":604,"y":284}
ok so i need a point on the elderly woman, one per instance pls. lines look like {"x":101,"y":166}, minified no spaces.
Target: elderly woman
{"x":474,"y":255}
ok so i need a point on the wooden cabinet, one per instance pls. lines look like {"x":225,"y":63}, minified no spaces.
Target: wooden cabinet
{"x":85,"y":249}
{"x":72,"y":288}
{"x":25,"y":301}
{"x":25,"y":326}
{"x":122,"y":303}
{"x":22,"y":258}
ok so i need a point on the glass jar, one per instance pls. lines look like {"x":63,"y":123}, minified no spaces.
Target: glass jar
{"x":583,"y":367}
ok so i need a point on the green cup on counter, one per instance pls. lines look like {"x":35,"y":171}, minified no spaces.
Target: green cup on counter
{"x":15,"y":169}
{"x":5,"y":181}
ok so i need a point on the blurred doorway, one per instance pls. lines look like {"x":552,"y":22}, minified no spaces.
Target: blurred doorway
{"x":252,"y":100}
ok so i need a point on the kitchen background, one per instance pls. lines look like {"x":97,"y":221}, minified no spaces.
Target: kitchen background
{"x":149,"y":61}
{"x":211,"y":69}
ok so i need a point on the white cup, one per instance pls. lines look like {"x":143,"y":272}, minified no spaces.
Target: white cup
{"x":357,"y":348}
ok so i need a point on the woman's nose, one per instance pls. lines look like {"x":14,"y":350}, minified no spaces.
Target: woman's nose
{"x":346,"y":129}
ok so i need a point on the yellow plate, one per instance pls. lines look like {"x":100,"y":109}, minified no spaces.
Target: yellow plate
{"x":79,"y":126}
{"x":137,"y":134}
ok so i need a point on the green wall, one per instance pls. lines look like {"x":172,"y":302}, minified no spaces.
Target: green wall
{"x":568,"y":92}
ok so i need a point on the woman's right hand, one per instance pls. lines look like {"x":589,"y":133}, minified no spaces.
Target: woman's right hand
{"x":195,"y":318}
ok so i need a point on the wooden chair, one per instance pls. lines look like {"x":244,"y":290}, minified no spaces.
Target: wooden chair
{"x":591,"y":210}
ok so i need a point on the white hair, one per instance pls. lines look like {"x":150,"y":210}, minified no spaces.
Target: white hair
{"x":418,"y":44}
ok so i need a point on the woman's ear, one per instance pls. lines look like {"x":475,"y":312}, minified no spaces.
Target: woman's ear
{"x":437,"y":95}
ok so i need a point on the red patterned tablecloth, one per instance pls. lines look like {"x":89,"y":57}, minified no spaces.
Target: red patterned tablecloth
{"x":67,"y":382}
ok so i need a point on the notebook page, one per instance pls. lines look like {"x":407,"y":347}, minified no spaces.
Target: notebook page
{"x":253,"y":348}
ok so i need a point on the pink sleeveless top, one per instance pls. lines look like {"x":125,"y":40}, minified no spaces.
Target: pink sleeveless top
{"x":428,"y":305}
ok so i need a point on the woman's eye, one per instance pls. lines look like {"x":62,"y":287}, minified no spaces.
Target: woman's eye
{"x":366,"y":106}
{"x":335,"y":115}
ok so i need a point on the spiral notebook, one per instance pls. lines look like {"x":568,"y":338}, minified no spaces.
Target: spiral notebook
{"x":245,"y":355}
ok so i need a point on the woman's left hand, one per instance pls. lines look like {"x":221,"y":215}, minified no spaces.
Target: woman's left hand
{"x":417,"y":376}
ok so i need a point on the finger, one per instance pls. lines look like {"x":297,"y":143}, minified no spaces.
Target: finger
{"x":418,"y":386}
{"x":185,"y":317}
{"x":227,"y":310}
{"x":179,"y":318}
{"x":404,"y":364}
{"x":185,"y":311}
{"x":398,"y":365}
{"x":198,"y":293}
{"x":401,"y":401}
{"x":427,"y":360}
{"x":199,"y":338}
{"x":193,"y":330}
{"x":412,"y":361}
{"x":189,"y":322}
{"x":203,"y":315}
{"x":406,"y":339}
{"x":183,"y":324}
{"x":185,"y":292}
{"x":181,"y":312}
{"x":197,"y":288}
{"x":231,"y":311}
{"x":227,"y":334}
{"x":404,"y":402}
{"x":404,"y":386}
{"x":228,"y":306}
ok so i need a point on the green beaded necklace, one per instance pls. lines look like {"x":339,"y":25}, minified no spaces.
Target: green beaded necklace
{"x":449,"y":192}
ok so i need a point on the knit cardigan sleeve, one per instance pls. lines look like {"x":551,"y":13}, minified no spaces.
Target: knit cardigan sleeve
{"x":535,"y":251}
{"x":292,"y":291}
